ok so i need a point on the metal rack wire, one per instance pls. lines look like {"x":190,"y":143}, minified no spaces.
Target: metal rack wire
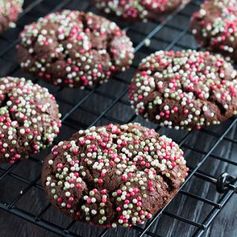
{"x":213,"y":147}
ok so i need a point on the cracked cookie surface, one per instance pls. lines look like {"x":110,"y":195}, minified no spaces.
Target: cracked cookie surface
{"x":29,"y":119}
{"x":114,"y":175}
{"x":138,"y":9}
{"x":74,"y":49}
{"x":184,"y":89}
{"x":215,"y":27}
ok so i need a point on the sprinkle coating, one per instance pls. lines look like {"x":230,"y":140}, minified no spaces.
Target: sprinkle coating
{"x":114,"y":175}
{"x":138,"y":9}
{"x":9,"y":11}
{"x":184,"y":89}
{"x":29,"y":119}
{"x":215,"y":26}
{"x":74,"y":49}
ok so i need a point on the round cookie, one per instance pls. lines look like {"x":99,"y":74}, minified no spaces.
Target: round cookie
{"x":215,"y":27}
{"x":184,"y":89}
{"x":9,"y":11}
{"x":138,"y":9}
{"x":114,"y":175}
{"x":29,"y":119}
{"x":75,"y":49}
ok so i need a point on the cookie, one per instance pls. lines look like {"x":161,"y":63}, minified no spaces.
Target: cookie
{"x":74,"y":49}
{"x":114,"y":175}
{"x":9,"y":11}
{"x":29,"y":119}
{"x":184,"y":89}
{"x":215,"y":27}
{"x":138,"y":9}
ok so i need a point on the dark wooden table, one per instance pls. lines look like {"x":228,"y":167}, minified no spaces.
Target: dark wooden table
{"x":111,"y":101}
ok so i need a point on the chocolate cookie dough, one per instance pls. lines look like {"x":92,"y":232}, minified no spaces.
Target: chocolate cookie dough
{"x":114,"y":175}
{"x":184,"y":89}
{"x":138,"y":9}
{"x":9,"y":11}
{"x":215,"y":27}
{"x":75,"y":49}
{"x":29,"y":119}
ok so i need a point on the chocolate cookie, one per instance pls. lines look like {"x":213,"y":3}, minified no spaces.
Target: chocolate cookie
{"x":184,"y":89}
{"x":114,"y":175}
{"x":75,"y":49}
{"x":138,"y":9}
{"x":29,"y":119}
{"x":9,"y":11}
{"x":215,"y":26}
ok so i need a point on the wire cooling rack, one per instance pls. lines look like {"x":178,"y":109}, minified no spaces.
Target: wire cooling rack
{"x":209,"y":152}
